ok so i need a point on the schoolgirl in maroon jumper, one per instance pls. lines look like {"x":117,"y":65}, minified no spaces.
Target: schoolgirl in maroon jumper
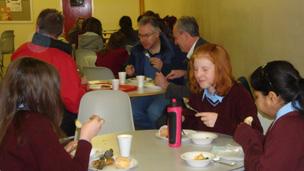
{"x":279,"y":93}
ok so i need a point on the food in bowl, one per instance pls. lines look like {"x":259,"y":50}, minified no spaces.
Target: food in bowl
{"x":197,"y":158}
{"x":200,"y":157}
{"x":203,"y":138}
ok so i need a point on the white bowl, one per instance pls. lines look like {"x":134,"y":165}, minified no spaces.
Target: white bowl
{"x":203,"y":138}
{"x":189,"y":157}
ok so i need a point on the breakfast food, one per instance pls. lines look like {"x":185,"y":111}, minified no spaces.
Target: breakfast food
{"x":105,"y":159}
{"x":248,"y":120}
{"x":200,"y":157}
{"x":78,"y":124}
{"x":122,"y":162}
{"x":163,"y":131}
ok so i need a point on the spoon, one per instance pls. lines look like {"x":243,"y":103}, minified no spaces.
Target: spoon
{"x":186,"y":102}
{"x":225,"y":162}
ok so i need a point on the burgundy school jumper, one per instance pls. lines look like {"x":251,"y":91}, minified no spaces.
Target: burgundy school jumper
{"x":38,"y":149}
{"x":281,"y":149}
{"x":234,"y":108}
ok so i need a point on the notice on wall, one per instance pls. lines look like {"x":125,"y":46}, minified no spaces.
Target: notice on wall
{"x":15,"y":11}
{"x":14,"y":5}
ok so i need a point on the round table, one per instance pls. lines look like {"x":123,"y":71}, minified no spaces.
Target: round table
{"x":147,"y":90}
{"x":153,"y":153}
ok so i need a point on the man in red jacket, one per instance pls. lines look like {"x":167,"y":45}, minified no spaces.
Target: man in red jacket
{"x":46,"y":47}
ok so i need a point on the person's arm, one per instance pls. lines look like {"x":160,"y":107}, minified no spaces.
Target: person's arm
{"x":70,"y":85}
{"x":51,"y":155}
{"x":281,"y":150}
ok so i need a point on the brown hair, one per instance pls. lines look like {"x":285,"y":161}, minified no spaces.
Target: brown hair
{"x":223,"y":71}
{"x":50,"y":21}
{"x":34,"y":84}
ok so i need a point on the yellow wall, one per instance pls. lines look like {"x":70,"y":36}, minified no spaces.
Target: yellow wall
{"x":110,"y":11}
{"x":24,"y":31}
{"x":255,"y":32}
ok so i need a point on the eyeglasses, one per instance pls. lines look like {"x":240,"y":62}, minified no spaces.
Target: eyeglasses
{"x":147,"y":35}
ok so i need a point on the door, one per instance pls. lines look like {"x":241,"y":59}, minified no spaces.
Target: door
{"x":71,"y":13}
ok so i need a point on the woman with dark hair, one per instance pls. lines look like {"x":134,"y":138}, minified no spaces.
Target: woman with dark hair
{"x":91,"y":38}
{"x":30,"y":116}
{"x":279,"y":93}
{"x":126,"y":28}
{"x":114,"y":56}
{"x":222,"y":102}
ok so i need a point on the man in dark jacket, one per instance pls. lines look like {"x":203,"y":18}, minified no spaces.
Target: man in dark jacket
{"x":155,"y":53}
{"x":187,"y":37}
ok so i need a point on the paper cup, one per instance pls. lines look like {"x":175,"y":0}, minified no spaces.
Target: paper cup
{"x":115,"y":84}
{"x":122,"y":77}
{"x":124,"y":143}
{"x":140,"y":81}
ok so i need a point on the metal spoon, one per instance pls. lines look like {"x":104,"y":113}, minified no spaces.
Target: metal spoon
{"x":225,"y":162}
{"x":186,"y":102}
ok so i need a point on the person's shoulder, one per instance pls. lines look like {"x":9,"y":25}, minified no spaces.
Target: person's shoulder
{"x":34,"y":119}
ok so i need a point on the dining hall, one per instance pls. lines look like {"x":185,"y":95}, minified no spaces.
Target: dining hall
{"x":146,"y":85}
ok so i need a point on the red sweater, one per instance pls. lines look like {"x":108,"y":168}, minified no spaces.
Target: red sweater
{"x":234,"y":108}
{"x":114,"y":59}
{"x":37,"y":148}
{"x":282,"y":148}
{"x":70,"y":84}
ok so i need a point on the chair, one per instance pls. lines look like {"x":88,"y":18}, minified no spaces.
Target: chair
{"x":245,"y":83}
{"x":7,"y":45}
{"x":97,"y":73}
{"x":113,"y":106}
{"x":85,"y":58}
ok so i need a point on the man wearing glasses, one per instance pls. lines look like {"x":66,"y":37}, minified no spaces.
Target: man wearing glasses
{"x":155,"y":53}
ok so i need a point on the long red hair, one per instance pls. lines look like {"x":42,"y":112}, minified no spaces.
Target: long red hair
{"x":223,"y":70}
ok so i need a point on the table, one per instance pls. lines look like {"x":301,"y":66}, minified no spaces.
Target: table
{"x":145,"y":91}
{"x":153,"y":153}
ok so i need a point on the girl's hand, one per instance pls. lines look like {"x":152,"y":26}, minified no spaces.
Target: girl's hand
{"x":91,"y":128}
{"x":71,"y":146}
{"x":208,"y":118}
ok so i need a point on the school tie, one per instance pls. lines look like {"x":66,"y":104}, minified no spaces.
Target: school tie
{"x":213,"y":103}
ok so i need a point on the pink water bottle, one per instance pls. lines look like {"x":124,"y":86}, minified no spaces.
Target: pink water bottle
{"x":174,"y":124}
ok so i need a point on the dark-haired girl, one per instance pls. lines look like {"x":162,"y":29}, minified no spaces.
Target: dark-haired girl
{"x":279,"y":93}
{"x":30,"y":114}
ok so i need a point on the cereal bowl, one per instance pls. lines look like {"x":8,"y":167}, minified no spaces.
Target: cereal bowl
{"x":197,"y":158}
{"x":203,"y":138}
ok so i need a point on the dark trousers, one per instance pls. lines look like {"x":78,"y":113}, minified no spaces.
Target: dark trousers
{"x":68,"y":123}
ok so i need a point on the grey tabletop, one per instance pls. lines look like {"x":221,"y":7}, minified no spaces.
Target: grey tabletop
{"x":154,"y":154}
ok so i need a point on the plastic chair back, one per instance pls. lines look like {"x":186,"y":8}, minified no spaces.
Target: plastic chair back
{"x":245,"y":83}
{"x":113,"y":106}
{"x":7,"y":44}
{"x":98,"y":73}
{"x":85,"y":58}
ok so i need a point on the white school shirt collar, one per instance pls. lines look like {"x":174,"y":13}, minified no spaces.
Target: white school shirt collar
{"x":189,"y":54}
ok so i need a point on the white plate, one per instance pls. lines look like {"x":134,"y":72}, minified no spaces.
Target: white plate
{"x":185,"y":138}
{"x":112,"y":167}
{"x":229,"y":152}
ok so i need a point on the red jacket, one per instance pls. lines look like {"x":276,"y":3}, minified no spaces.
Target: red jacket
{"x":281,"y":149}
{"x":70,"y":84}
{"x":114,"y":59}
{"x":35,"y":146}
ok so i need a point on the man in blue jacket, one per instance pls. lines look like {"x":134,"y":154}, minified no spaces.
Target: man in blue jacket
{"x":155,"y":53}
